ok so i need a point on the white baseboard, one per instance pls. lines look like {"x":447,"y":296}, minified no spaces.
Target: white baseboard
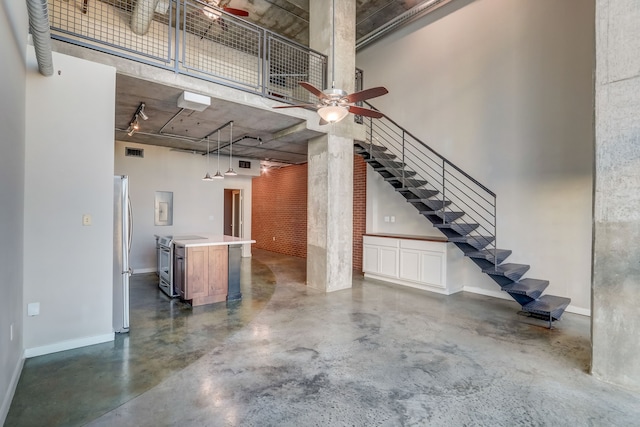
{"x":504,"y":295}
{"x":68,"y":345}
{"x":145,"y":270}
{"x":11,"y":390}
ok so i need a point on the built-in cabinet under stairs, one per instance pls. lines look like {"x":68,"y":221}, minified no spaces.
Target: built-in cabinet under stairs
{"x":461,"y":208}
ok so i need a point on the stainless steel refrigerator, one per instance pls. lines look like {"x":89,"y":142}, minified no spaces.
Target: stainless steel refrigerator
{"x":122,"y":232}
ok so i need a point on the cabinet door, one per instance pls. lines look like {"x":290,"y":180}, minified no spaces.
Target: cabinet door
{"x":178,"y":276}
{"x":197,"y":283}
{"x":410,"y":265}
{"x":218,"y":270}
{"x":370,"y":259}
{"x":389,"y":262}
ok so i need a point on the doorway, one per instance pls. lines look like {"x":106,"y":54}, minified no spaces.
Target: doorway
{"x":233,"y":212}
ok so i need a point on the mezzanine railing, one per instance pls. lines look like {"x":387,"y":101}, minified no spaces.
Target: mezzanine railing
{"x":192,"y":38}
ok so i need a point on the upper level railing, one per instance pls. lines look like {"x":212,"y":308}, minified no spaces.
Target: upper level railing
{"x":458,"y":191}
{"x":192,"y":38}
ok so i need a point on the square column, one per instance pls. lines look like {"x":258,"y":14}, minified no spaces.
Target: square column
{"x":330,"y":167}
{"x":615,"y":318}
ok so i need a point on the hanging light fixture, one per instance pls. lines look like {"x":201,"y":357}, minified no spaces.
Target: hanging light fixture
{"x":207,"y":176}
{"x":218,"y":175}
{"x":231,"y":172}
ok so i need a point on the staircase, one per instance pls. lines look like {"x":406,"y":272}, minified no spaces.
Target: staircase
{"x":459,"y":206}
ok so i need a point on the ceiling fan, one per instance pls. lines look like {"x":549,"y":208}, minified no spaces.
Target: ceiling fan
{"x":335,"y":104}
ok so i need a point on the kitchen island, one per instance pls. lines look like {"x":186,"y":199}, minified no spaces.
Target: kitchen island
{"x":207,"y":268}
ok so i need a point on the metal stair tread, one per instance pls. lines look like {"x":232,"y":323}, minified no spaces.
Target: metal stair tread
{"x":548,"y":305}
{"x":507,"y":269}
{"x":422,"y":193}
{"x":490,"y":254}
{"x":462,"y":228}
{"x":529,"y":287}
{"x":467,"y":239}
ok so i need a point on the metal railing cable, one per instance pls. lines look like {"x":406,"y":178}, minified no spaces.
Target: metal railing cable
{"x":193,"y":38}
{"x":461,"y":202}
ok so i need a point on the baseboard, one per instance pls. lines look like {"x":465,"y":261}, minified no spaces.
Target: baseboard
{"x":11,"y":390}
{"x":423,"y":286}
{"x":504,"y":295}
{"x":145,"y":270}
{"x":68,"y":345}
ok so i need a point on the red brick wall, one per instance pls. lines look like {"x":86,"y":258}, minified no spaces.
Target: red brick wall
{"x":359,"y":209}
{"x":279,"y":209}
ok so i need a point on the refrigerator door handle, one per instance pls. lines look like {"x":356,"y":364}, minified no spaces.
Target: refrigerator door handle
{"x":130,"y":230}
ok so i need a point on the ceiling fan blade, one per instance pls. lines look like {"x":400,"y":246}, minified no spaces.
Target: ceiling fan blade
{"x":365,"y":112}
{"x":314,"y":90}
{"x":237,"y":12}
{"x":367,"y":94}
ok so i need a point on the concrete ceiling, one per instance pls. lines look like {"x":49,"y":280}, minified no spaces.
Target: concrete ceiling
{"x":270,"y":136}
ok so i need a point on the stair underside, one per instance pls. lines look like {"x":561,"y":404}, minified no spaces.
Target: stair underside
{"x":490,"y":255}
{"x":548,"y":305}
{"x":532,"y":288}
{"x":508,"y":270}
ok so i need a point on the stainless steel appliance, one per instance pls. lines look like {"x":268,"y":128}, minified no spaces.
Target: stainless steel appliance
{"x":122,"y":232}
{"x":164,"y":248}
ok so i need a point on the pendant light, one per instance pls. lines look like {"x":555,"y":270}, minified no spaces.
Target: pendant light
{"x":231,"y":172}
{"x":207,"y":176}
{"x":218,"y":175}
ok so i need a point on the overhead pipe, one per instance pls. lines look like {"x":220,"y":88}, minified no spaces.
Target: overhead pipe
{"x":39,"y":28}
{"x":142,"y":16}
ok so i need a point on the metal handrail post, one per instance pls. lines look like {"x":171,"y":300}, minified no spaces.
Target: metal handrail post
{"x":495,"y":233}
{"x":444,"y":193}
{"x":404,"y":184}
{"x":176,"y":56}
{"x":265,"y":61}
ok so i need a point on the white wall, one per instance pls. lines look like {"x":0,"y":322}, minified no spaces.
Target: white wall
{"x":194,"y":201}
{"x":69,"y":172}
{"x":13,"y":41}
{"x":504,"y":89}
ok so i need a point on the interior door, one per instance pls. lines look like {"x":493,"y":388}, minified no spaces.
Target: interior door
{"x":233,"y":212}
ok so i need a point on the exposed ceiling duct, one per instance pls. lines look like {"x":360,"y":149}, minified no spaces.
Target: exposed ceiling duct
{"x":39,"y":28}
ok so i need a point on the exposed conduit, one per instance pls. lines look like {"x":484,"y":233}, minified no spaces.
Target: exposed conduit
{"x":39,"y":27}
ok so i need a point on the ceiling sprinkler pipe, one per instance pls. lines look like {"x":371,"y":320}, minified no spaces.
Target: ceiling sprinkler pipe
{"x":39,"y":28}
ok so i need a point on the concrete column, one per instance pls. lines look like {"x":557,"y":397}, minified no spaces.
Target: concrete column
{"x":330,"y":168}
{"x":616,"y":252}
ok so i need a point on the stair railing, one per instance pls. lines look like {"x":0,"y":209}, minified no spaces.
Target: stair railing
{"x":457,"y":190}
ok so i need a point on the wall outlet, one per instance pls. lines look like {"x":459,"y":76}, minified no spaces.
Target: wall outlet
{"x":393,"y":218}
{"x":86,"y":219}
{"x":386,"y":219}
{"x":274,"y":238}
{"x":33,"y":309}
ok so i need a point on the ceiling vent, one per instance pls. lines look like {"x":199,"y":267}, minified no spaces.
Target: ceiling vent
{"x":134,"y":152}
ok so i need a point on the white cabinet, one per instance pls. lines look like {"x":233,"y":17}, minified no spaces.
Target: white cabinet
{"x":418,"y":263}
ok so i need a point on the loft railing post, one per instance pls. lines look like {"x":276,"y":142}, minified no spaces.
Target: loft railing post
{"x":404,"y":184}
{"x":178,"y":49}
{"x":370,"y":137}
{"x":265,"y":64}
{"x":444,"y":194}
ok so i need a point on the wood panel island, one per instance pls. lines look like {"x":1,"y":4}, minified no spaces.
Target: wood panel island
{"x":207,"y":269}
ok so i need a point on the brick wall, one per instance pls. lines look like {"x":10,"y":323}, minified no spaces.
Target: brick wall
{"x":279,"y":210}
{"x":359,"y":209}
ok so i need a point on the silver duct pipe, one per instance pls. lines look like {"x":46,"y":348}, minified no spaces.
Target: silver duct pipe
{"x":142,"y":16}
{"x":39,"y":27}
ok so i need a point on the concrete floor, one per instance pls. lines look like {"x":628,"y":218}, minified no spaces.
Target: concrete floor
{"x":374,"y":355}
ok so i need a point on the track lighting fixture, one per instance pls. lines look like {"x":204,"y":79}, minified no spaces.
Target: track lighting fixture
{"x":134,"y":124}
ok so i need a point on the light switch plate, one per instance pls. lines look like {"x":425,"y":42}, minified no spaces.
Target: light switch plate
{"x":33,"y":309}
{"x":86,"y":219}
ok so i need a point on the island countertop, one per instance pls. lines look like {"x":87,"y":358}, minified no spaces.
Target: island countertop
{"x":204,"y":239}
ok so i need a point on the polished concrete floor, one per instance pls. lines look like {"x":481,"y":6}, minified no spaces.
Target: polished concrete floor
{"x":373,"y":355}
